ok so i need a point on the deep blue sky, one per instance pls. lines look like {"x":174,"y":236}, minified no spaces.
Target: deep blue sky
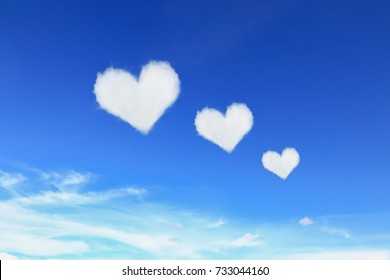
{"x":314,"y":73}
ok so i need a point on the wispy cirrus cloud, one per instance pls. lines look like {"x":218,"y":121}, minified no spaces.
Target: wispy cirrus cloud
{"x":29,"y":244}
{"x":34,"y":233}
{"x":247,"y":240}
{"x":71,"y":222}
{"x":9,"y":180}
{"x":50,"y":224}
{"x":77,"y":198}
{"x":173,"y":225}
{"x":336,"y":231}
{"x":217,"y":224}
{"x":67,"y":179}
{"x":137,"y":229}
{"x":322,"y":226}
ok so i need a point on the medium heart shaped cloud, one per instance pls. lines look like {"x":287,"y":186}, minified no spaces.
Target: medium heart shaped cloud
{"x":281,"y":165}
{"x":139,"y":102}
{"x":225,"y":131}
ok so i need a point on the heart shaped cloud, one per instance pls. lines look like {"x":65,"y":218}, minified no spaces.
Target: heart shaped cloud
{"x":281,"y":165}
{"x":139,"y":102}
{"x":225,"y":131}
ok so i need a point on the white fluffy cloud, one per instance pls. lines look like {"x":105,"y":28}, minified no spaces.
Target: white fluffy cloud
{"x":305,"y":221}
{"x":9,"y":180}
{"x":281,"y":165}
{"x":139,"y":102}
{"x":225,"y":131}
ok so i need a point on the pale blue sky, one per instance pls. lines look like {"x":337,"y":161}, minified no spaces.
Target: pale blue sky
{"x":76,"y":179}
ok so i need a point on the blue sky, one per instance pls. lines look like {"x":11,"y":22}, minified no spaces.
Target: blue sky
{"x":74,"y":178}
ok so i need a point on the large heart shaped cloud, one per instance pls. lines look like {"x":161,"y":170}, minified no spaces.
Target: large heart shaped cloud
{"x":140,"y":102}
{"x":281,"y":165}
{"x":225,"y":131}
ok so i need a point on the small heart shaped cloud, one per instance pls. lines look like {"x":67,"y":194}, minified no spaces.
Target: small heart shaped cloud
{"x":281,"y":165}
{"x":225,"y":131}
{"x":139,"y":102}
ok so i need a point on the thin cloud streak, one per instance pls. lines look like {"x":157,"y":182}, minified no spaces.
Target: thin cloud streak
{"x":248,"y":240}
{"x":9,"y":180}
{"x":68,"y":179}
{"x":217,"y":224}
{"x":75,"y":198}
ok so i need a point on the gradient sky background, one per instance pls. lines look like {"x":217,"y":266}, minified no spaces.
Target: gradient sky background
{"x":315,"y":75}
